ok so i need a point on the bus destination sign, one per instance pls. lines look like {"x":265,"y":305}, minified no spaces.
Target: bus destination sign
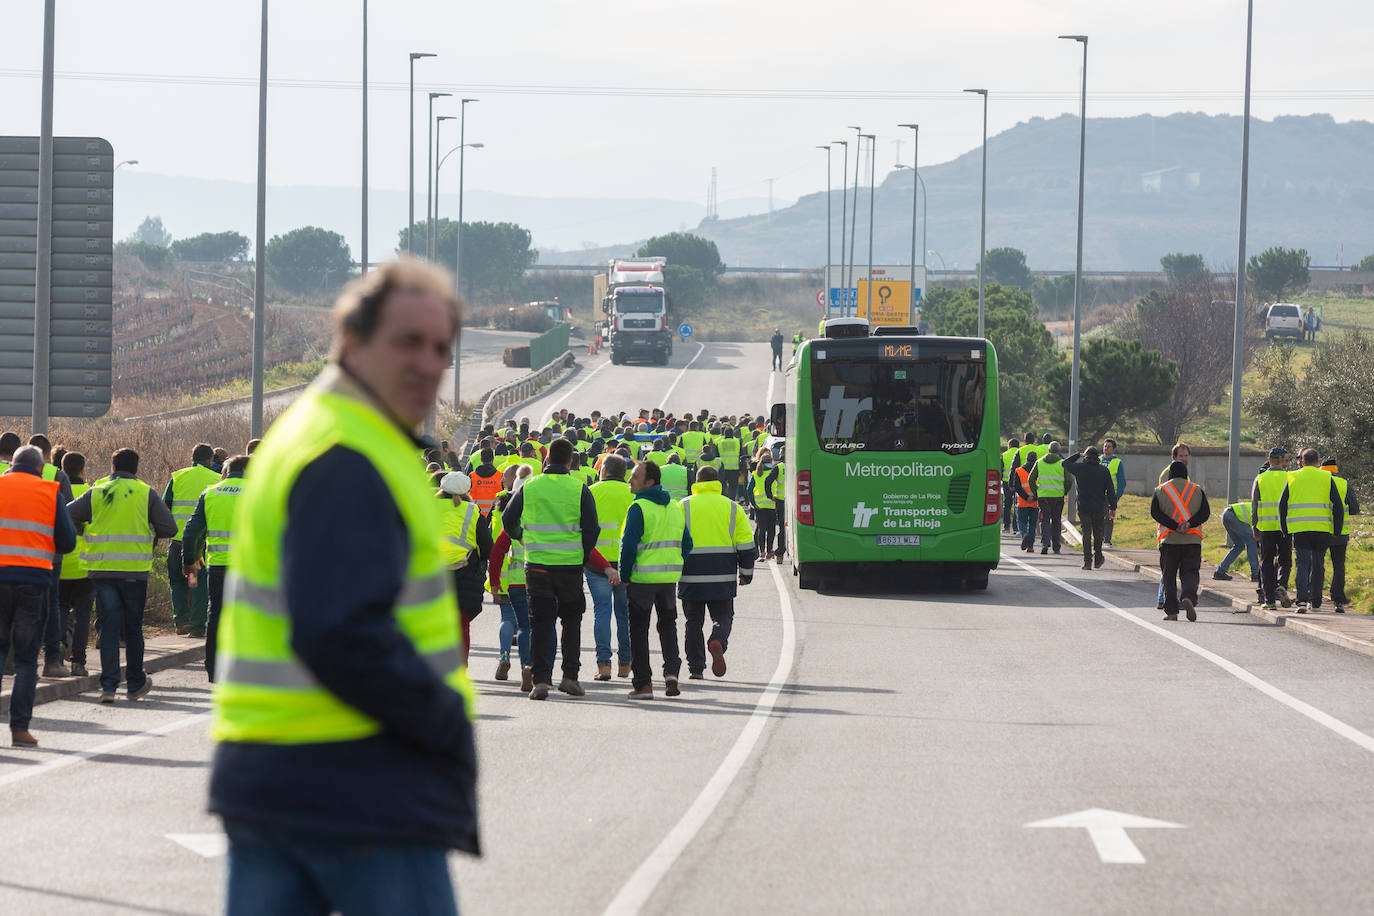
{"x":901,"y":351}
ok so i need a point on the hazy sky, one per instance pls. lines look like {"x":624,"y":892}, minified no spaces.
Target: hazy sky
{"x":173,"y":82}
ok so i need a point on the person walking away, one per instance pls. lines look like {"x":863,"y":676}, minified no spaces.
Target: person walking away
{"x":506,"y":581}
{"x":673,"y":474}
{"x":210,"y":532}
{"x":776,"y":343}
{"x":729,"y":449}
{"x":1027,"y":509}
{"x":1023,"y":454}
{"x":53,"y":631}
{"x":190,"y":605}
{"x":1047,"y":484}
{"x":1180,"y":509}
{"x":1340,"y":542}
{"x":613,"y":497}
{"x":722,"y":557}
{"x":76,"y":592}
{"x":1180,"y":452}
{"x":34,"y":529}
{"x":555,"y":515}
{"x":465,"y":544}
{"x":1239,"y":525}
{"x":340,"y":670}
{"x":1011,"y":459}
{"x":1113,"y":463}
{"x":123,"y":518}
{"x":1096,"y":502}
{"x":652,"y":549}
{"x":486,"y":481}
{"x":776,"y":486}
{"x":1311,"y":510}
{"x":764,"y":506}
{"x":1275,"y":546}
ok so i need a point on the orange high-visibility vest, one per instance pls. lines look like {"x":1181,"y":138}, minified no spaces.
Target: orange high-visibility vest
{"x":484,"y":490}
{"x":28,"y":511}
{"x":1021,"y":501}
{"x":1179,"y":512}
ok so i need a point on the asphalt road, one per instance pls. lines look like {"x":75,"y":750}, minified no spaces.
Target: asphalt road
{"x":880,"y":748}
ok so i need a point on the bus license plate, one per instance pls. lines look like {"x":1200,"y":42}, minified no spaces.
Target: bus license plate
{"x":899,"y":540}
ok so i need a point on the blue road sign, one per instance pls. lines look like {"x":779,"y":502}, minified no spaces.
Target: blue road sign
{"x":684,"y":330}
{"x":839,"y":300}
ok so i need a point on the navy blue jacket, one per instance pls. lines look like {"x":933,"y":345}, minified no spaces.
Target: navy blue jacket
{"x":344,"y":556}
{"x":633,"y":532}
{"x":63,"y":535}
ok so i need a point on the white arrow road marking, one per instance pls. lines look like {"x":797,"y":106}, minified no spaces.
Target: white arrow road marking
{"x":209,"y":845}
{"x":1107,"y":829}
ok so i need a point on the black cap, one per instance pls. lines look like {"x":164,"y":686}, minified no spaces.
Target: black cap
{"x":1278,"y":451}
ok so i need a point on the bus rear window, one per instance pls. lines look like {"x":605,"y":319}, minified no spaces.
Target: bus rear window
{"x":920,"y":406}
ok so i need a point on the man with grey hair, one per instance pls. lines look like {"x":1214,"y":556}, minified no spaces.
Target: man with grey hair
{"x":1047,"y":483}
{"x":35,"y":529}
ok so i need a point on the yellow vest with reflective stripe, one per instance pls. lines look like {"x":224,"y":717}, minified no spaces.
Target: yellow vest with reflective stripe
{"x":613,"y":500}
{"x":1341,"y":484}
{"x":659,"y":556}
{"x":717,"y":525}
{"x":729,"y":452}
{"x":264,"y":694}
{"x":457,"y":531}
{"x":1049,"y":480}
{"x":72,"y":567}
{"x":1113,"y":466}
{"x":551,"y":520}
{"x":220,"y":501}
{"x":1270,"y":484}
{"x":761,"y":499}
{"x":513,"y":563}
{"x":674,"y":481}
{"x":187,"y":485}
{"x":1242,"y":511}
{"x":119,"y":537}
{"x":1309,"y":501}
{"x":1007,"y":457}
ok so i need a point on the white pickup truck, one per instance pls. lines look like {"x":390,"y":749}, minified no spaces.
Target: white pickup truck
{"x":1283,"y":319}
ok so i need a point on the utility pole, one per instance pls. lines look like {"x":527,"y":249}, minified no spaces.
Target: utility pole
{"x":42,"y":313}
{"x":1078,"y":268}
{"x":1238,"y":353}
{"x":260,"y":253}
{"x":364,"y":241}
{"x":854,"y":217}
{"x":983,"y":231}
{"x":872,"y":172}
{"x":844,"y":212}
{"x":915,"y":186}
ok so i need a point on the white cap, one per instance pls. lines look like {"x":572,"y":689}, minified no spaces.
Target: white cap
{"x":456,"y":483}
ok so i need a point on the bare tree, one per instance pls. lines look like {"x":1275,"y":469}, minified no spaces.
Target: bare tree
{"x":1193,"y":324}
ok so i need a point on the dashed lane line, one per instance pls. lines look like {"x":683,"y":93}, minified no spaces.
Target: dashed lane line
{"x":701,"y":348}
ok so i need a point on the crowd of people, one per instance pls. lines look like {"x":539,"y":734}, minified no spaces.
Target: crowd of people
{"x":1301,"y":512}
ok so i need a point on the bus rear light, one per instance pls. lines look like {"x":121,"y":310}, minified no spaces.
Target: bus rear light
{"x":992,"y":507}
{"x":804,"y":515}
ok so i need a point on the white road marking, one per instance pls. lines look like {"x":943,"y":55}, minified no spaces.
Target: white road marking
{"x":71,"y":759}
{"x":637,"y":890}
{"x":209,"y":845}
{"x":574,"y":389}
{"x":701,"y":348}
{"x":1326,"y":720}
{"x":1107,"y":829}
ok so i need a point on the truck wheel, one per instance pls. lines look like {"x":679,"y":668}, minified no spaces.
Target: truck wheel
{"x":976,"y":583}
{"x":807,"y":577}
{"x":616,"y":358}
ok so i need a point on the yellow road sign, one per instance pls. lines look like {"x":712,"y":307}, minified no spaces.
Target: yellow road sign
{"x":890,"y":303}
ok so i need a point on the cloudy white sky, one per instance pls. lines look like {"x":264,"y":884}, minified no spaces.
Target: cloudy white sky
{"x":172,"y":82}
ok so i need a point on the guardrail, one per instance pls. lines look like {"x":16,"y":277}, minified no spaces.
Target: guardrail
{"x":510,"y":394}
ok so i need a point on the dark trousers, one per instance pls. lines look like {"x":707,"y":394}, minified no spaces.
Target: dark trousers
{"x":24,"y":608}
{"x":53,"y":631}
{"x":76,"y":598}
{"x":1094,"y":525}
{"x":1276,"y":561}
{"x":1311,"y":549}
{"x":722,"y":611}
{"x":119,"y":602}
{"x":1107,"y":532}
{"x":777,"y":360}
{"x":555,"y":593}
{"x":1026,"y":517}
{"x":215,"y":575}
{"x":1008,"y":504}
{"x":1337,"y":551}
{"x":765,"y":529}
{"x":644,"y":597}
{"x":1180,"y":563}
{"x":1051,"y":522}
{"x":190,"y":606}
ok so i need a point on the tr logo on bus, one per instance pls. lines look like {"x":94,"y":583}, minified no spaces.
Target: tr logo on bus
{"x":863,"y":515}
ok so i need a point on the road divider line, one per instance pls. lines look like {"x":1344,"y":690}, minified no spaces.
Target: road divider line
{"x":640,"y":887}
{"x":574,"y":389}
{"x":701,"y":348}
{"x":73,"y":758}
{"x":1326,"y":720}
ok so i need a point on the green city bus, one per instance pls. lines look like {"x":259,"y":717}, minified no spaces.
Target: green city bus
{"x":889,"y":437}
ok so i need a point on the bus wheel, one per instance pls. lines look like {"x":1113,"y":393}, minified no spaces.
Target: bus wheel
{"x":978,"y":582}
{"x":807,"y":577}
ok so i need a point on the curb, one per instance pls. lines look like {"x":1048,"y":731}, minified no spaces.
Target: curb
{"x":214,"y":405}
{"x":1301,"y":624}
{"x":71,"y":686}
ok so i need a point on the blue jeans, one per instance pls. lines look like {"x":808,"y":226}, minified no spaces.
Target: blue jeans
{"x":515,"y":622}
{"x":607,"y":598}
{"x":23,"y":609}
{"x":1242,"y":538}
{"x":119,"y":603}
{"x":275,"y":871}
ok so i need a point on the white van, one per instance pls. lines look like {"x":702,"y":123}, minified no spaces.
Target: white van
{"x":1283,"y":319}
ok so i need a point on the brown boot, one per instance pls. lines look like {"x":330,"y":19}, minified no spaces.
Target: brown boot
{"x":526,"y":679}
{"x":23,"y":739}
{"x":603,"y":671}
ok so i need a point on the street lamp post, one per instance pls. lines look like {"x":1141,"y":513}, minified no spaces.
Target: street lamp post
{"x":125,"y":162}
{"x":844,"y":212}
{"x":429,"y":178}
{"x":410,"y":226}
{"x":872,"y":173}
{"x":458,"y":254}
{"x":915,"y":188}
{"x":363,"y":252}
{"x":826,"y":297}
{"x":260,"y":251}
{"x":438,"y":145}
{"x":983,"y":231}
{"x":1238,"y":353}
{"x":1078,"y":267}
{"x":854,"y":218}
